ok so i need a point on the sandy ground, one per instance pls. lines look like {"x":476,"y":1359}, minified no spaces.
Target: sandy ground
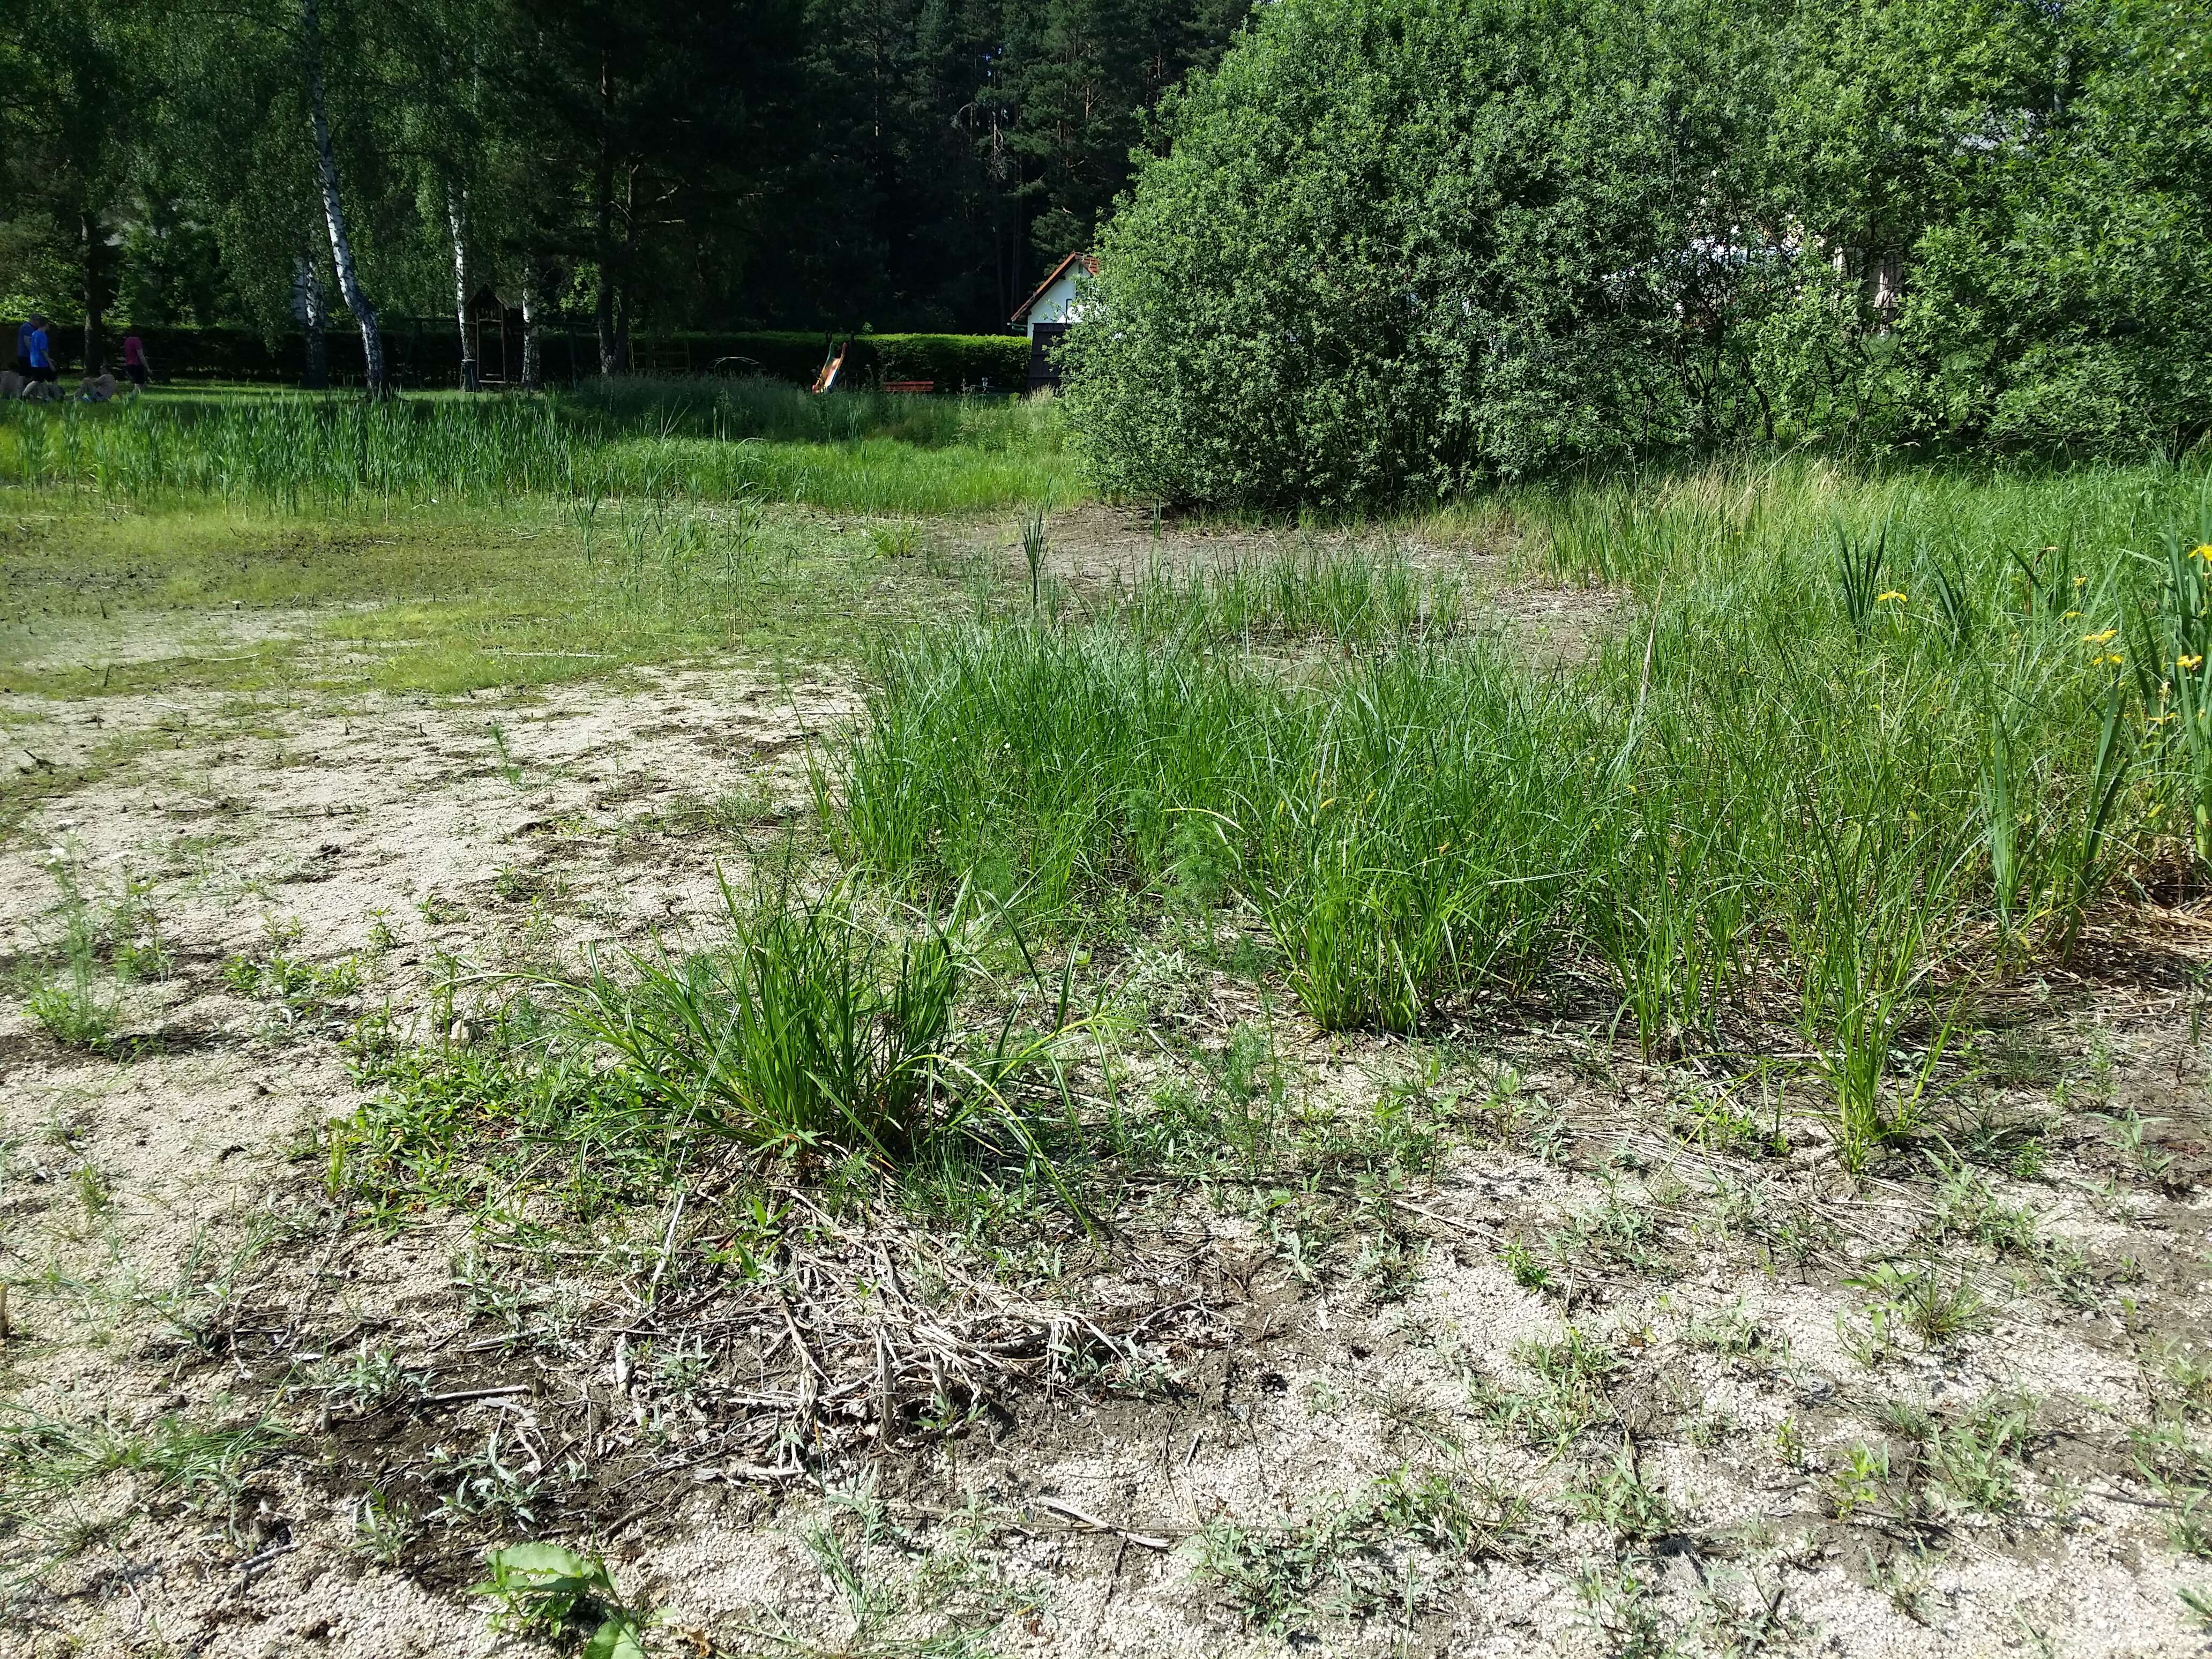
{"x":387,"y":832}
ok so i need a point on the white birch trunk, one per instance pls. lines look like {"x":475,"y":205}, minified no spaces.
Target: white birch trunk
{"x":326,"y":168}
{"x":314,"y":318}
{"x":533,"y":377}
{"x":456,"y":216}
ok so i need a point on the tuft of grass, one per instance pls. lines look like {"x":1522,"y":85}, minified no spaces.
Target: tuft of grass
{"x":1616,"y":1495}
{"x":78,"y":1007}
{"x":1565,"y":1398}
{"x":1941,"y":1308}
{"x":302,"y":986}
{"x":813,"y":1027}
{"x":1351,"y":1558}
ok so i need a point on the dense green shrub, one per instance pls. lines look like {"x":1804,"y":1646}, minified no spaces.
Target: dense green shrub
{"x":1399,"y":243}
{"x":1391,"y":248}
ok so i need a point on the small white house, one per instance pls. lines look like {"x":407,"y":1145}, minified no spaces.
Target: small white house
{"x":1048,"y":313}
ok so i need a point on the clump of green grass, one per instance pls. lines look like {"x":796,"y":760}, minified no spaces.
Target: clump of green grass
{"x":1355,"y":1558}
{"x":80,"y":1006}
{"x":1565,"y":1397}
{"x":814,"y":1027}
{"x":815,"y":1030}
{"x":302,"y":986}
{"x":205,"y":1467}
{"x":1746,"y":790}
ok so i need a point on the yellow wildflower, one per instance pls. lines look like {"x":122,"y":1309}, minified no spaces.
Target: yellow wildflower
{"x":2188,"y":662}
{"x":1892,"y":594}
{"x":2201,"y":550}
{"x":2098,"y":639}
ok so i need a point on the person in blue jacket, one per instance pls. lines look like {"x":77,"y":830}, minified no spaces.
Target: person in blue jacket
{"x":23,"y":344}
{"x":42,"y":355}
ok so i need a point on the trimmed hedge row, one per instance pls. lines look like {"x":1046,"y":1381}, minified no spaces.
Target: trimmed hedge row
{"x":426,"y":352}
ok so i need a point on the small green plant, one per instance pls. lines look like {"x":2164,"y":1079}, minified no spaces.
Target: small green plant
{"x":1790,"y":1444}
{"x":1035,"y":543}
{"x":1976,"y":1460}
{"x":1859,"y":560}
{"x":2130,"y":1133}
{"x":301,"y":987}
{"x":437,"y":911}
{"x":1733,"y":1332}
{"x":2199,"y":1605}
{"x":1619,"y":1603}
{"x":381,"y":936}
{"x":1860,"y":1485}
{"x":1940,"y":1307}
{"x":518,"y":883}
{"x":1527,"y":1268}
{"x":384,"y":1528}
{"x":899,"y":539}
{"x":1566,"y":1397}
{"x":2189,"y":1522}
{"x":78,"y":1009}
{"x":95,"y":1193}
{"x":509,"y":768}
{"x":546,"y":1590}
{"x":1363,"y":1555}
{"x":1617,"y":1495}
{"x":73,"y":1013}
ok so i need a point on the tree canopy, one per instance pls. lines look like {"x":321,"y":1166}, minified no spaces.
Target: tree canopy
{"x":897,"y":163}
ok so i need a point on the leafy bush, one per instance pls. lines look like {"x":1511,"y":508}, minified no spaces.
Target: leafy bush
{"x":1392,"y":247}
{"x":1398,"y":244}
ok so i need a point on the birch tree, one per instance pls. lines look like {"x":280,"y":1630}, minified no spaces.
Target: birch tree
{"x":326,"y":174}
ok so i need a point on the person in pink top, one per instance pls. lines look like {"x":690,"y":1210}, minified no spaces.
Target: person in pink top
{"x":134,"y":362}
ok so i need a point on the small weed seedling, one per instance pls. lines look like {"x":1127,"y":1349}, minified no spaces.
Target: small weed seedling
{"x":546,"y":1590}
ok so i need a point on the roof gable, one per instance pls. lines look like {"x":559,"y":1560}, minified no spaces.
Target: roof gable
{"x":1090,"y":267}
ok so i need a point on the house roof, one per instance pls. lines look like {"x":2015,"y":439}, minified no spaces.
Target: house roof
{"x":1089,"y":266}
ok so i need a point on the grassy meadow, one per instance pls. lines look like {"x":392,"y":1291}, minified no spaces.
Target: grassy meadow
{"x":442,"y":544}
{"x":1858,"y":742}
{"x":1842,"y":768}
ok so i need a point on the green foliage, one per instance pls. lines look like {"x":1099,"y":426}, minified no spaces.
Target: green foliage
{"x":302,"y":986}
{"x":1426,"y":819}
{"x":1397,"y":247}
{"x":811,"y":1028}
{"x":653,"y":439}
{"x":1746,"y":780}
{"x":1355,"y":1556}
{"x":544,"y":1588}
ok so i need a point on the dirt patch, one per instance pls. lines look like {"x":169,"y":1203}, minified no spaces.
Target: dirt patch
{"x":1100,"y":552}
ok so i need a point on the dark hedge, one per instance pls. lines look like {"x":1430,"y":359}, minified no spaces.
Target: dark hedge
{"x":427,"y":353}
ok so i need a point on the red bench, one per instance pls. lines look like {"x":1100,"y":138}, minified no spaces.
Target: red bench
{"x":910,"y":385}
